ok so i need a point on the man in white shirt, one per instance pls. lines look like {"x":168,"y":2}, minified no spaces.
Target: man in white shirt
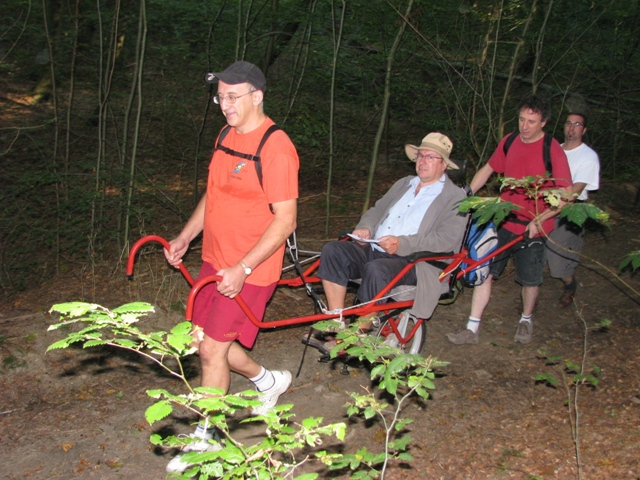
{"x":563,"y":251}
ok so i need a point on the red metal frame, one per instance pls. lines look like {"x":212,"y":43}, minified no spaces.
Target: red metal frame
{"x":455,"y":259}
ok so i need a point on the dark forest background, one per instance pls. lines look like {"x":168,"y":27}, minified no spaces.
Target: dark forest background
{"x":106,"y":123}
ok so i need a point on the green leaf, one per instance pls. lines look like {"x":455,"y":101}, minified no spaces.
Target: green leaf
{"x":391,"y":385}
{"x":426,"y":383}
{"x":369,"y":412}
{"x":158,"y":411}
{"x":632,"y":259}
{"x":546,"y":377}
{"x":572,"y":366}
{"x":306,"y":476}
{"x":125,"y":342}
{"x":403,"y":422}
{"x":157,"y":393}
{"x":93,"y":343}
{"x":73,"y":309}
{"x":183,"y":328}
{"x":593,"y":380}
{"x":129,"y":318}
{"x":64,"y":343}
{"x":179,"y":341}
{"x":210,"y":404}
{"x":487,"y":209}
{"x":311,"y":422}
{"x":232,"y":454}
{"x":400,"y":444}
{"x":378,"y":370}
{"x":578,"y":213}
{"x":138,"y":307}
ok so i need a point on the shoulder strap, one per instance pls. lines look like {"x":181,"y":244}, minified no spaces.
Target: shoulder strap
{"x":265,"y":137}
{"x":221,"y":136}
{"x":546,"y":152}
{"x":546,"y":149}
{"x":247,"y":156}
{"x":508,"y":142}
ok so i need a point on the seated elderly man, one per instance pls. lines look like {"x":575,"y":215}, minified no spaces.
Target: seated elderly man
{"x":418,"y":213}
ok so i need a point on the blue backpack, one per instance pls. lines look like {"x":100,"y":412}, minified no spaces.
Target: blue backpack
{"x":481,"y":241}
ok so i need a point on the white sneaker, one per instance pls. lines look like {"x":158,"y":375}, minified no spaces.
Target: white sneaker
{"x":392,"y":341}
{"x":270,"y":397}
{"x":204,"y":443}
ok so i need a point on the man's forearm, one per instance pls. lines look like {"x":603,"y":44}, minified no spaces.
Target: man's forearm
{"x":480,"y":178}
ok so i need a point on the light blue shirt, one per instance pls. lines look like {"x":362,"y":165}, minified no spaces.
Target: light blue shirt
{"x":406,"y":214}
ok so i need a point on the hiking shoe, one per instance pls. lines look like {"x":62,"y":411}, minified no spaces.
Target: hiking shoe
{"x":462,"y":337}
{"x":270,"y":397}
{"x":203,"y":443}
{"x":524,"y":333}
{"x":566,"y":300}
{"x":392,"y":341}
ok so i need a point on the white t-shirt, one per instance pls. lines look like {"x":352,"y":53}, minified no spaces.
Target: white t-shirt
{"x":585,"y":168}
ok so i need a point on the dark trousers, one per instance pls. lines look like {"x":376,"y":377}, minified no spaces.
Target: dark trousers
{"x":344,"y":261}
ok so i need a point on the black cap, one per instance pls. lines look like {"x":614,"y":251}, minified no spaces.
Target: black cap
{"x":240,"y":72}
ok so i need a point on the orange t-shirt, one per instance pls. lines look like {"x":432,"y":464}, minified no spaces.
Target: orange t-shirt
{"x":237,"y":208}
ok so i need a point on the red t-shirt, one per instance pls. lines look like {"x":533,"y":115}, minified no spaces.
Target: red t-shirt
{"x":526,"y":159}
{"x":237,"y":208}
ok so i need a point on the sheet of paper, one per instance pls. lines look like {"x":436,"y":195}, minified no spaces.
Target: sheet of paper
{"x":364,"y":240}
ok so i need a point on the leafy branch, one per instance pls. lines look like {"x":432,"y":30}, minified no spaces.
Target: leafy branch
{"x":494,"y":209}
{"x":273,"y":457}
{"x":117,"y":328}
{"x":400,"y":375}
{"x":573,"y":376}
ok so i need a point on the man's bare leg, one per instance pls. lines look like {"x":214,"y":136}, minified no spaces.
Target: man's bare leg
{"x":529,"y":298}
{"x":524,"y":333}
{"x":335,"y":294}
{"x":481,"y":297}
{"x":479,"y":301}
{"x":219,"y":359}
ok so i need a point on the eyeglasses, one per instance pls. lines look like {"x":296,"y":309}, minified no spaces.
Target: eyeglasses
{"x":575,"y":124}
{"x":231,"y":99}
{"x":428,"y":158}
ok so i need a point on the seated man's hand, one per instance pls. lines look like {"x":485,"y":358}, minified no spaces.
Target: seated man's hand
{"x":389,"y":243}
{"x":362,"y":233}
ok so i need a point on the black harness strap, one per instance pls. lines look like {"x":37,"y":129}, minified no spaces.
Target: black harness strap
{"x":246,"y":156}
{"x":546,"y":149}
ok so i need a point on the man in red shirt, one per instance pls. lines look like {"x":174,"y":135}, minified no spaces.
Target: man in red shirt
{"x":245,"y":218}
{"x":525,"y":157}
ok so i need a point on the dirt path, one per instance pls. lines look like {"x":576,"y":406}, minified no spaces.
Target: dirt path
{"x":80,"y":414}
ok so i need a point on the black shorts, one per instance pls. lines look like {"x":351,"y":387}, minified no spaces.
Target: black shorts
{"x":528,"y":256}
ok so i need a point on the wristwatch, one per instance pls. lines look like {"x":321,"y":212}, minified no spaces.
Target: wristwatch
{"x":247,"y":270}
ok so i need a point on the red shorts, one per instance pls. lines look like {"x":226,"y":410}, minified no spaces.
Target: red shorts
{"x":221,"y":317}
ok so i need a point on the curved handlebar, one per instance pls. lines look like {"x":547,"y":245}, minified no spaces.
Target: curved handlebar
{"x":154,"y":238}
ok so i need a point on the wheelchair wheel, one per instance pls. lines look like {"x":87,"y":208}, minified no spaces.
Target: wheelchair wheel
{"x":406,"y":323}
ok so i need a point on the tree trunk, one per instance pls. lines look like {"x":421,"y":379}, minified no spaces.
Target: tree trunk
{"x":512,"y":70}
{"x":384,"y":108}
{"x":337,"y":41}
{"x":539,"y":48}
{"x":140,"y":52}
{"x":56,"y":130}
{"x":300,"y":61}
